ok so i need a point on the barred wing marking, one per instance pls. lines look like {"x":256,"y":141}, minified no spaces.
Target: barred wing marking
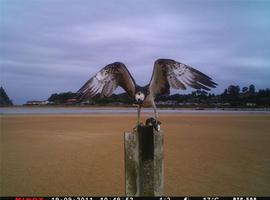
{"x":107,"y":80}
{"x":169,"y":73}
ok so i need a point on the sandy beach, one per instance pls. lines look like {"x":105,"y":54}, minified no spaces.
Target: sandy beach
{"x":83,"y":154}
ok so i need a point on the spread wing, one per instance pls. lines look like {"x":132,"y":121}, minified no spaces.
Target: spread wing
{"x":169,"y":73}
{"x":107,"y":80}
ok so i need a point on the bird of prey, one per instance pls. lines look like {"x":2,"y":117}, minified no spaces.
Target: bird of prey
{"x":166,"y":74}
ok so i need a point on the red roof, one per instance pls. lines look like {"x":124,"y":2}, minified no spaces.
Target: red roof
{"x":71,"y":100}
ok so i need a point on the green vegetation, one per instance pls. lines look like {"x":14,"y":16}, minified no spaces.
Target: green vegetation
{"x":4,"y":99}
{"x":233,"y":96}
{"x":61,"y":97}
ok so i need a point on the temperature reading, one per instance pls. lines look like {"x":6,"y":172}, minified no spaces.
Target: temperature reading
{"x":164,"y":198}
{"x":210,"y":198}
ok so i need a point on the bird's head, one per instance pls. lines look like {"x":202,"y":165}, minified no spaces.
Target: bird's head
{"x":139,"y":96}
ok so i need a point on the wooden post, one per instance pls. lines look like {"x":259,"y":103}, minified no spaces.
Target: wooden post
{"x":144,"y":162}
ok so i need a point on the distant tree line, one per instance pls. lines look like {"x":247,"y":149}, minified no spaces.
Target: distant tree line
{"x":64,"y":97}
{"x":233,"y":96}
{"x":61,"y":98}
{"x":246,"y":96}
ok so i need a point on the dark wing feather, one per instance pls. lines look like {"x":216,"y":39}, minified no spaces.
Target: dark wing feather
{"x":107,"y":80}
{"x":169,"y":73}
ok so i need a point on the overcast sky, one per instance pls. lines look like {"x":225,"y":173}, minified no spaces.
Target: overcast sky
{"x":54,"y":46}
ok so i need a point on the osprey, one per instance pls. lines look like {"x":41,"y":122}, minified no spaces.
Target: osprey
{"x":167,"y":73}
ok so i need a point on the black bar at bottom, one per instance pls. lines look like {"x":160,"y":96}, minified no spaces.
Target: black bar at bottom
{"x":134,"y":198}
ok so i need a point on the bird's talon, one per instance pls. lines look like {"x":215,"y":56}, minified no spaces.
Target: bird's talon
{"x":140,"y":124}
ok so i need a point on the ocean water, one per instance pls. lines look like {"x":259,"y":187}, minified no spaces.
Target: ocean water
{"x":89,"y":110}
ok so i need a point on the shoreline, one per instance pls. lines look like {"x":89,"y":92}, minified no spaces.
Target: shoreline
{"x":33,"y":110}
{"x":131,"y":107}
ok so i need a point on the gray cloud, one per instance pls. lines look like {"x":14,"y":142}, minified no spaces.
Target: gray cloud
{"x":52,"y":46}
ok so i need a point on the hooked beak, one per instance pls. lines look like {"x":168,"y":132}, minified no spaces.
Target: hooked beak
{"x":140,"y":101}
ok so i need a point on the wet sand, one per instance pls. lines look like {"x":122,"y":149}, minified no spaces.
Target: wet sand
{"x":83,"y":154}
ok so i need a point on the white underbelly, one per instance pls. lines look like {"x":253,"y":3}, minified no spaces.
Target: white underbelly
{"x":148,"y":101}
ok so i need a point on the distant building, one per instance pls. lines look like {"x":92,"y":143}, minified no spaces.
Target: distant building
{"x":167,"y":103}
{"x":37,"y":103}
{"x":4,"y":99}
{"x":87,"y":102}
{"x":71,"y":101}
{"x":249,"y":104}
